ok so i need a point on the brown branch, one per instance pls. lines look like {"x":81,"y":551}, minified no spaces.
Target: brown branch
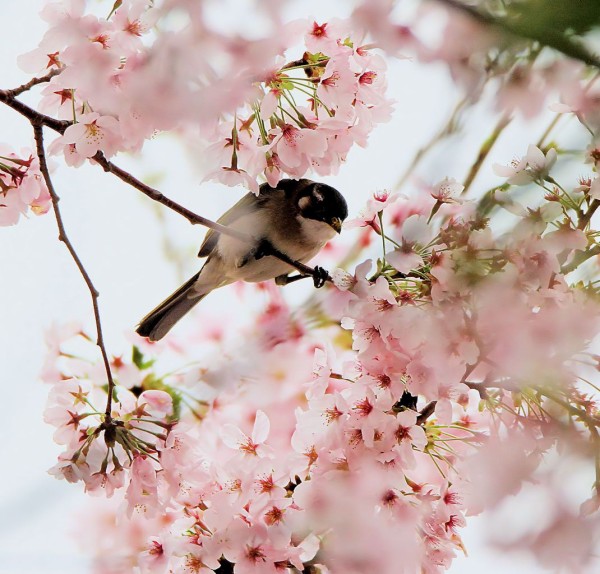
{"x":192,"y":217}
{"x":34,"y":82}
{"x":586,"y":217}
{"x":481,"y":388}
{"x":62,"y":236}
{"x":426,"y":412}
{"x":35,"y":117}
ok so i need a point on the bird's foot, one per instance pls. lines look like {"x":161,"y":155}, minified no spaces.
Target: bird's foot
{"x":283,"y":280}
{"x":320,"y":277}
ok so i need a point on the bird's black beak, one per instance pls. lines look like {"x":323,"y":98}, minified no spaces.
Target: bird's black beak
{"x":336,"y":223}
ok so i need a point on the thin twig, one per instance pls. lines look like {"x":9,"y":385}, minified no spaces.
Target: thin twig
{"x":62,"y":236}
{"x":34,"y":82}
{"x":484,"y":151}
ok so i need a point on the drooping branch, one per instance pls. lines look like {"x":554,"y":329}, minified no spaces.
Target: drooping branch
{"x":62,"y":236}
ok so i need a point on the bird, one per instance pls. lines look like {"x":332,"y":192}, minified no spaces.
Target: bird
{"x":296,"y":218}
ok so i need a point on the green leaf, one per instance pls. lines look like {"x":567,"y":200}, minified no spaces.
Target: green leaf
{"x":137,"y":358}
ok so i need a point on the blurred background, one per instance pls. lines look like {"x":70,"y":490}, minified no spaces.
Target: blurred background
{"x":128,"y":246}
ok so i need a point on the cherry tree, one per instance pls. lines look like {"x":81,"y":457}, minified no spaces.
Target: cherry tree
{"x":449,"y":361}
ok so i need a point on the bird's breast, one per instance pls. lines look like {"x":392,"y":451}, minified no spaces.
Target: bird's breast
{"x":300,"y":242}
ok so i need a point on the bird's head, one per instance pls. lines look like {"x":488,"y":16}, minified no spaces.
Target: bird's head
{"x":317,"y":201}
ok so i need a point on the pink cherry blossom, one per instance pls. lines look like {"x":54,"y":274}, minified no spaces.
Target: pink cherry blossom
{"x":93,"y":133}
{"x":251,"y":445}
{"x":415,"y":235}
{"x":534,"y":165}
{"x":375,"y":205}
{"x":22,"y":187}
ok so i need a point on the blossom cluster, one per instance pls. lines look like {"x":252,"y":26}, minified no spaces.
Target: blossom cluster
{"x":113,"y":448}
{"x":309,"y":113}
{"x":396,"y":430}
{"x":264,"y":484}
{"x":117,"y":78}
{"x":22,"y":187}
{"x":277,"y":119}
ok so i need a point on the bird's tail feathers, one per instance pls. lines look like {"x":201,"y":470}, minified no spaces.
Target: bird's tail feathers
{"x":156,"y":324}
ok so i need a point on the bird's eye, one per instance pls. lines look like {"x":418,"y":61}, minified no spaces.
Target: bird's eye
{"x":317,"y":195}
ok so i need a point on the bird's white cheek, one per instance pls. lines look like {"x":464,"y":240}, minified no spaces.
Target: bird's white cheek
{"x":317,"y":231}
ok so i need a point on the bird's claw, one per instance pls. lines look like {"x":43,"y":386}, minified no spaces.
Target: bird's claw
{"x":320,"y":277}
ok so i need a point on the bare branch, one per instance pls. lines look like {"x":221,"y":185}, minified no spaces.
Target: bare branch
{"x":62,"y":236}
{"x":34,"y":82}
{"x":426,"y":412}
{"x":192,"y":217}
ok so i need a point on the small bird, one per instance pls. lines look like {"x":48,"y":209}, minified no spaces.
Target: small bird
{"x":297,"y":218}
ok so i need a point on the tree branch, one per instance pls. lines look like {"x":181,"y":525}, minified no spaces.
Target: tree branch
{"x":34,"y":117}
{"x":484,"y":151}
{"x":426,"y":412}
{"x":34,"y":82}
{"x":586,"y":217}
{"x":579,"y":258}
{"x":62,"y":236}
{"x":192,"y":217}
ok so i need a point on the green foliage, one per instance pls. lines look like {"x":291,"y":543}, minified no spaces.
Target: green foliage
{"x":543,"y":17}
{"x":137,"y":357}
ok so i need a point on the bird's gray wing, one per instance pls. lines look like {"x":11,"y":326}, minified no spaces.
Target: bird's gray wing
{"x":247,"y":204}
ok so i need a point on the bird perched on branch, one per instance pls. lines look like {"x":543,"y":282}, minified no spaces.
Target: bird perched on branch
{"x":296,"y":219}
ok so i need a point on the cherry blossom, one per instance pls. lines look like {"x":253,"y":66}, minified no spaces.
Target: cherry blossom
{"x":92,"y":133}
{"x":534,"y":165}
{"x":22,"y":187}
